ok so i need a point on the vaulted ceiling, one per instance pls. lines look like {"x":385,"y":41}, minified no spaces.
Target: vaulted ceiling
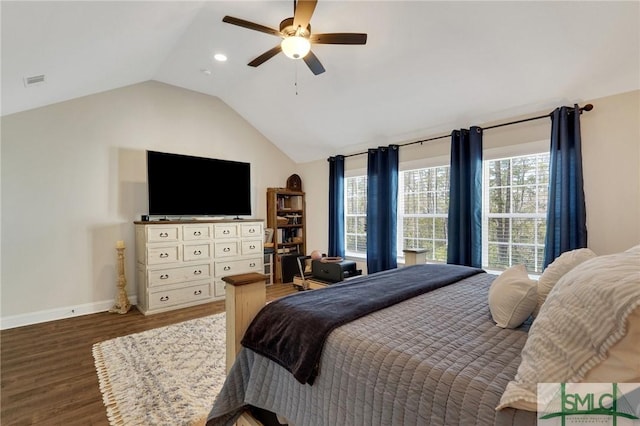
{"x":427,"y":67}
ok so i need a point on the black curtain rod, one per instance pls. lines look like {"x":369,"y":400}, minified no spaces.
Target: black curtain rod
{"x":587,"y":107}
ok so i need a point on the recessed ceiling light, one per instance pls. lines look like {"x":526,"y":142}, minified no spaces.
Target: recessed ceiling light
{"x":220,"y":57}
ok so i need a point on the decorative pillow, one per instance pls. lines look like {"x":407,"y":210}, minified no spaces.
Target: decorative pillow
{"x":623,"y":361}
{"x":582,"y":319}
{"x":512,"y":297}
{"x":563,"y":264}
{"x":634,"y":249}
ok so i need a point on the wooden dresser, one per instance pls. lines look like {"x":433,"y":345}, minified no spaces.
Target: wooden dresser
{"x":181,"y":263}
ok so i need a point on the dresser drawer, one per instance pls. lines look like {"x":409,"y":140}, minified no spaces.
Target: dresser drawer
{"x":252,"y":247}
{"x":225,"y":231}
{"x":175,"y":275}
{"x":225,"y":249}
{"x":196,"y":232}
{"x":194,"y":293}
{"x":233,"y":267}
{"x":196,"y":252}
{"x":164,"y":254}
{"x":252,"y":230}
{"x":156,"y":234}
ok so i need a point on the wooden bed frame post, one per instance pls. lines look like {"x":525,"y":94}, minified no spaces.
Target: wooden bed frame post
{"x":246,"y":294}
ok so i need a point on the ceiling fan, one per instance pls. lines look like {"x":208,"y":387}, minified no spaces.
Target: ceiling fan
{"x":297,"y":37}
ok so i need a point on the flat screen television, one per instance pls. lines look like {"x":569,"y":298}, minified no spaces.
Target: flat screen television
{"x":182,"y":185}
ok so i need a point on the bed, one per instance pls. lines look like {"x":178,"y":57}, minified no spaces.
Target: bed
{"x":436,"y":358}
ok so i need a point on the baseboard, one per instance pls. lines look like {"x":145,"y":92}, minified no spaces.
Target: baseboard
{"x":20,"y":320}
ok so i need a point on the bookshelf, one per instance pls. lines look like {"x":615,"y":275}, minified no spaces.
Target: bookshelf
{"x":286,"y":215}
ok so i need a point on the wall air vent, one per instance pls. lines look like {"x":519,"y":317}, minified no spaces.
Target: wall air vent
{"x":34,"y":80}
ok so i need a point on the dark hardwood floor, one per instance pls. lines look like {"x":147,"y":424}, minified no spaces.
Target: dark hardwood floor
{"x":47,"y":370}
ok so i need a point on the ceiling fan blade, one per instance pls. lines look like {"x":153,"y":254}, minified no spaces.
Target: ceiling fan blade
{"x":265,"y":56}
{"x":302,"y":13}
{"x":339,"y":38}
{"x":313,"y":63}
{"x":251,"y":25}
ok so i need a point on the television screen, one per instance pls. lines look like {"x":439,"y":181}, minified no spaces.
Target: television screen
{"x":182,"y":185}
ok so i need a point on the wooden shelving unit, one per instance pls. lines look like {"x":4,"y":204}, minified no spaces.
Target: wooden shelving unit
{"x":286,"y":215}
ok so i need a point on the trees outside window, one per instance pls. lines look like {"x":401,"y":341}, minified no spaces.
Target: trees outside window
{"x":423,"y":211}
{"x":514,"y":213}
{"x":355,"y":202}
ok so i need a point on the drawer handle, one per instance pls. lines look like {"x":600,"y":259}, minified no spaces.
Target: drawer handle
{"x":252,"y":230}
{"x":197,"y":292}
{"x":164,"y":235}
{"x":164,"y":276}
{"x":226,"y":249}
{"x":252,"y":264}
{"x":252,"y":246}
{"x":227,"y":268}
{"x":164,"y":255}
{"x":197,"y":272}
{"x":197,"y":233}
{"x":226,"y":232}
{"x":164,"y":298}
{"x":197,"y":252}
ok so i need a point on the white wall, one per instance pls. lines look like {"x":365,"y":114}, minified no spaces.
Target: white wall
{"x":74,"y":180}
{"x":611,"y":162}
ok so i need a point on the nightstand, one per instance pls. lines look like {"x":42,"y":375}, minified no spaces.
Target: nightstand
{"x":415,"y":256}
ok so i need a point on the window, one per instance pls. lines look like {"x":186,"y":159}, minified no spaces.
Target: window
{"x":514,"y":212}
{"x":422,"y":211}
{"x":356,"y":215}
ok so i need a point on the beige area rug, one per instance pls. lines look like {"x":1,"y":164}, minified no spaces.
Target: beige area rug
{"x":165,"y":376}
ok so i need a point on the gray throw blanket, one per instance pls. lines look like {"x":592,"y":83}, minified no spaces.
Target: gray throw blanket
{"x":291,"y":331}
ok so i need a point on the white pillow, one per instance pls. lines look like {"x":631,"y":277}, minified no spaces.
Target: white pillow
{"x":634,"y":249}
{"x":622,"y":364}
{"x":623,"y":360}
{"x":512,"y":297}
{"x":584,"y":317}
{"x":556,"y":270}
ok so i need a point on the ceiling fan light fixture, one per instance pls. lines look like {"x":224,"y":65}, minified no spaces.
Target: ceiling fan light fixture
{"x":295,"y":47}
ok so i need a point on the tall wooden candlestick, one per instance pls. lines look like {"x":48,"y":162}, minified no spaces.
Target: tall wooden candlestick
{"x":122,"y":305}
